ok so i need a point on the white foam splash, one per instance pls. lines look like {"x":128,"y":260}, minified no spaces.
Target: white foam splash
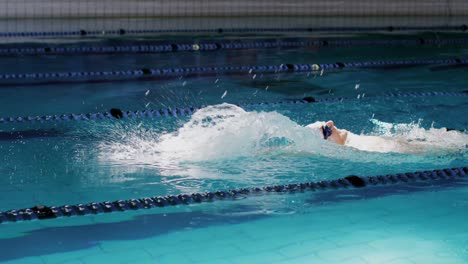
{"x":408,"y":138}
{"x":228,"y":132}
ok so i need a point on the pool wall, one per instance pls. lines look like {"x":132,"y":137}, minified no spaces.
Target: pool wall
{"x":176,"y":15}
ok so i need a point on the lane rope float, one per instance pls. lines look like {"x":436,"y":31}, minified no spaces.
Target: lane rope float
{"x":41,"y":212}
{"x":116,"y":113}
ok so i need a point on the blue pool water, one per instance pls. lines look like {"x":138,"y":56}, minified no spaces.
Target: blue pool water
{"x":224,"y":147}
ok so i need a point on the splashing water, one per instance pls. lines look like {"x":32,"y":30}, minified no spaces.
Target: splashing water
{"x":409,"y":138}
{"x":227,"y":132}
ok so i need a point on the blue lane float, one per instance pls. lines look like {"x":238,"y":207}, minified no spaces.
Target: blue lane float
{"x":221,"y":45}
{"x":42,"y":212}
{"x":120,"y":32}
{"x":115,"y":113}
{"x":246,"y":69}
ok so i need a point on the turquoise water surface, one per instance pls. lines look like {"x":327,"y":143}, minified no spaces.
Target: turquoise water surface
{"x":223,"y":147}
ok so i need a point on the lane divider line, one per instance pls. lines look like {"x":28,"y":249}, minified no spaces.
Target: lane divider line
{"x":116,"y":113}
{"x":41,"y":212}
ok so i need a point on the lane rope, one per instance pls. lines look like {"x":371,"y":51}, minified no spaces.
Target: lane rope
{"x":194,"y":71}
{"x":220,"y":45}
{"x":116,"y":113}
{"x":41,"y":212}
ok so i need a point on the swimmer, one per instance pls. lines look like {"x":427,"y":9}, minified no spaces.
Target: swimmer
{"x":329,"y":132}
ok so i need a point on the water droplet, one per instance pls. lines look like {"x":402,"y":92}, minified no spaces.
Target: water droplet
{"x":358,"y":96}
{"x":184,"y":83}
{"x":224,"y":94}
{"x":217,"y":80}
{"x":147,"y":92}
{"x":146,"y":105}
{"x":254,"y":76}
{"x":250,"y":71}
{"x":321,"y":72}
{"x":357,"y":86}
{"x":139,"y":125}
{"x":266,"y":88}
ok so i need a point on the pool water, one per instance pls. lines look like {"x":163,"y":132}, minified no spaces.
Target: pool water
{"x":222,"y":147}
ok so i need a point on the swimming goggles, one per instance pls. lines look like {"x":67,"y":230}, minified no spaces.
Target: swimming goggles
{"x":327,"y":131}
